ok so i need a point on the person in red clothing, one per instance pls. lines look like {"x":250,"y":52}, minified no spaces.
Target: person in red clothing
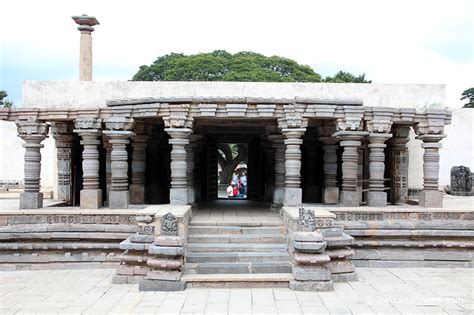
{"x":235,"y":191}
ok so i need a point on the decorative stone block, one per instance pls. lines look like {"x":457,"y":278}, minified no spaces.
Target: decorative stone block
{"x":208,"y":110}
{"x":431,"y":198}
{"x":236,"y":110}
{"x":31,"y":200}
{"x":169,"y":240}
{"x":178,"y":196}
{"x":169,"y":275}
{"x":161,"y":285}
{"x":265,"y":110}
{"x":311,"y":285}
{"x":310,"y":247}
{"x":308,"y":236}
{"x":311,"y":273}
{"x":119,"y":199}
{"x":140,"y":238}
{"x":293,"y":196}
{"x":350,"y":198}
{"x":311,"y":259}
{"x":165,"y":251}
{"x":91,"y":198}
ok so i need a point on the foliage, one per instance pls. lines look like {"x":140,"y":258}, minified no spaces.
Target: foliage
{"x":346,"y":77}
{"x":469,"y":96}
{"x":3,"y":102}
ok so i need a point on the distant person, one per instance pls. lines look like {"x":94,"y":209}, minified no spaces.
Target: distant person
{"x":235,"y":191}
{"x":235,"y":178}
{"x":230,"y":191}
{"x":243,"y":179}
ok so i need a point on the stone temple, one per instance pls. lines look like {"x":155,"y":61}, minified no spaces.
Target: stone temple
{"x":137,"y":173}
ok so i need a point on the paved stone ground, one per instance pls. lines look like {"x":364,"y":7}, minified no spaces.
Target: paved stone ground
{"x":382,"y":290}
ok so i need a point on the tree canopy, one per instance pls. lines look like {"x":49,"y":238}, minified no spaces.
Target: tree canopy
{"x":3,"y":102}
{"x":469,"y":96}
{"x":243,"y":66}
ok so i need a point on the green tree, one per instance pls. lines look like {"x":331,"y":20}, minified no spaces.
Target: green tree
{"x":229,"y":157}
{"x":469,"y":96}
{"x":3,"y":102}
{"x":346,"y":77}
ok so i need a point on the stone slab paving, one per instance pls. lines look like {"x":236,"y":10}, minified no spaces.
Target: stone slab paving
{"x":381,"y":290}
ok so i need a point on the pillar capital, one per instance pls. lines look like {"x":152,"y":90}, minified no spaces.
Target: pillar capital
{"x":32,"y":131}
{"x":87,"y":123}
{"x":119,"y":123}
{"x":432,"y":122}
{"x":86,"y":23}
{"x":63,"y":134}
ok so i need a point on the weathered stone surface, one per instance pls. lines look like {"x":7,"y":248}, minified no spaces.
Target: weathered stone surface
{"x":331,"y":195}
{"x":161,"y":285}
{"x":31,"y":200}
{"x":165,"y":263}
{"x":293,"y":196}
{"x":127,"y":279}
{"x":306,"y":220}
{"x":344,"y":277}
{"x":169,"y":240}
{"x":308,"y":236}
{"x":140,"y":238}
{"x":376,"y":199}
{"x":340,"y":266}
{"x":133,"y":246}
{"x":310,"y":247}
{"x":165,"y":251}
{"x":311,"y":285}
{"x":169,"y":275}
{"x":332,"y":232}
{"x":311,"y":259}
{"x":340,"y":253}
{"x":343,"y":240}
{"x":91,"y":198}
{"x":311,"y":273}
{"x":144,"y":218}
{"x":350,"y":198}
{"x":119,"y":199}
{"x":125,"y":270}
{"x":431,"y":198}
{"x":461,"y":181}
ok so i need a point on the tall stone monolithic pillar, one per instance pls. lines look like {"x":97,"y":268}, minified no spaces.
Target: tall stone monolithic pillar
{"x":64,"y":140}
{"x":139,"y":145}
{"x":430,"y":130}
{"x":33,"y":133}
{"x":293,"y":142}
{"x":398,"y":143}
{"x":86,"y":24}
{"x":119,"y":132}
{"x":330,"y":190}
{"x":279,"y":190}
{"x":90,"y":130}
{"x":179,"y":185}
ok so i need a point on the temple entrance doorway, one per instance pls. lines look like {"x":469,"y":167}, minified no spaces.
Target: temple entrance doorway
{"x":232,"y":170}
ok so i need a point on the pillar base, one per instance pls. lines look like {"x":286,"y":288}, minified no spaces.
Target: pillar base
{"x":331,"y":195}
{"x":179,"y":196}
{"x":431,"y":198}
{"x":31,"y":200}
{"x":64,"y":193}
{"x":137,"y":194}
{"x":350,"y":198}
{"x":91,"y":198}
{"x":377,"y":199}
{"x":119,"y":199}
{"x":293,"y":196}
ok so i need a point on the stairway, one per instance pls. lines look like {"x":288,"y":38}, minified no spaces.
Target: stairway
{"x":237,"y":256}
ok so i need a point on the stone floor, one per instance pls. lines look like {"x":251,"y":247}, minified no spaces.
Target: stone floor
{"x":423,"y":290}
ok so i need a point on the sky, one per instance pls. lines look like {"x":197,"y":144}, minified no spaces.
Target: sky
{"x":398,"y":41}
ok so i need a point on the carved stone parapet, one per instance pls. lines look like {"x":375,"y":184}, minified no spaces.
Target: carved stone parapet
{"x":377,"y":197}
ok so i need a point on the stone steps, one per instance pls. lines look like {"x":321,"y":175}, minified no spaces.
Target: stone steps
{"x":201,"y":257}
{"x":231,"y":230}
{"x":236,"y":247}
{"x":262,"y":280}
{"x":237,"y":239}
{"x":239,"y":267}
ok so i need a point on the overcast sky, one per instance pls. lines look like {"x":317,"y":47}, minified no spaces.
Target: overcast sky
{"x":391,"y":41}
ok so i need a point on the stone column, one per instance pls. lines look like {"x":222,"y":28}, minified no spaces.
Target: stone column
{"x":279,"y":146}
{"x":399,"y":164}
{"x":190,"y":167}
{"x":377,"y":197}
{"x":179,"y":140}
{"x":108,"y":165}
{"x":293,"y":141}
{"x":86,"y":24}
{"x":137,"y":183}
{"x":330,"y":190}
{"x":33,"y":133}
{"x":430,"y":196}
{"x":64,"y":140}
{"x":89,"y":129}
{"x":119,"y":135}
{"x":350,"y":141}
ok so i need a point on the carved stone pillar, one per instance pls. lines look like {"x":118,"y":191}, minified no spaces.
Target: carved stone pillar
{"x":179,"y":140}
{"x":89,"y":129}
{"x":64,"y":140}
{"x":108,"y":165}
{"x":293,"y":141}
{"x":119,"y":135}
{"x":279,"y":190}
{"x":350,"y":141}
{"x":430,"y":196}
{"x":330,"y":190}
{"x":137,"y":182}
{"x":399,"y":171}
{"x":190,"y":167}
{"x":33,"y":133}
{"x":377,"y":197}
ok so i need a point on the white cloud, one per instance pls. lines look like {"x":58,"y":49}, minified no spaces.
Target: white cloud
{"x":391,"y":41}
